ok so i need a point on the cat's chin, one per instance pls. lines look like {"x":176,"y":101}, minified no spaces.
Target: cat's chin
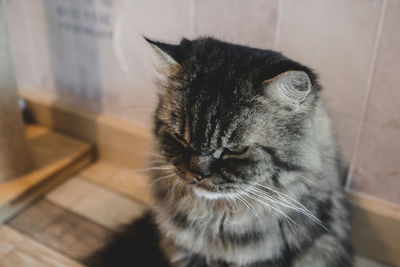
{"x":203,"y":193}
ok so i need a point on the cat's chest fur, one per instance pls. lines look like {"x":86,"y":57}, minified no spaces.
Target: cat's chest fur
{"x":226,"y":235}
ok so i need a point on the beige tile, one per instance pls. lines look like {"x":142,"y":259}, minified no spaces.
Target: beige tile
{"x":336,"y":38}
{"x":33,"y":254}
{"x":100,"y":171}
{"x":91,"y":201}
{"x":9,"y":240}
{"x":377,"y":170}
{"x":384,"y":99}
{"x":110,"y":73}
{"x":378,"y":157}
{"x":364,"y":262}
{"x":126,"y":61}
{"x":245,"y":22}
{"x":133,"y":183}
{"x":32,"y":61}
{"x":108,"y":208}
{"x":345,"y":126}
{"x":70,"y":192}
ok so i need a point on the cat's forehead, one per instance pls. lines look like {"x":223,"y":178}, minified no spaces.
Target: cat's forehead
{"x":211,"y":125}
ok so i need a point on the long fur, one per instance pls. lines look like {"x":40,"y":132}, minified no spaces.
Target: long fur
{"x":246,"y":168}
{"x":279,"y":204}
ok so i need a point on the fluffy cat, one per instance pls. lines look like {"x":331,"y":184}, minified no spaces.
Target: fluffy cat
{"x":246,"y":167}
{"x":246,"y":170}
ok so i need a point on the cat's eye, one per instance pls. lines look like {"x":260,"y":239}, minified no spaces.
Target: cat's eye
{"x":180,"y":139}
{"x":236,"y":150}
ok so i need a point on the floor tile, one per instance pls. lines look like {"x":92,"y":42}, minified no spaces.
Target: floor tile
{"x":61,"y":230}
{"x":133,"y":183}
{"x":9,"y":240}
{"x":33,"y":254}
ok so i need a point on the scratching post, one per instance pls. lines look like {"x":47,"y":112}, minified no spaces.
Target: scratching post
{"x":14,"y":153}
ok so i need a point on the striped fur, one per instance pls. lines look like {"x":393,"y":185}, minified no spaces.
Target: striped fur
{"x":246,"y":168}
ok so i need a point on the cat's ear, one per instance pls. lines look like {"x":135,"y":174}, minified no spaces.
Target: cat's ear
{"x":289,"y":88}
{"x":167,"y":57}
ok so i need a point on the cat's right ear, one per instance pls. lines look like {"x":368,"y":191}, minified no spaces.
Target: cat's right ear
{"x":167,"y":58}
{"x":290,"y":88}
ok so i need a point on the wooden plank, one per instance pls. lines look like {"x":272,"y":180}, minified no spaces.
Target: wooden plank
{"x":129,"y":182}
{"x":10,"y":209}
{"x":61,"y":230}
{"x":70,"y":193}
{"x":9,"y":240}
{"x":56,"y":157}
{"x":33,"y":254}
{"x":364,"y":262}
{"x":95,"y":203}
{"x":376,"y":229}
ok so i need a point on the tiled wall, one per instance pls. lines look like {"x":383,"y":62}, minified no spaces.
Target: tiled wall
{"x":91,"y":54}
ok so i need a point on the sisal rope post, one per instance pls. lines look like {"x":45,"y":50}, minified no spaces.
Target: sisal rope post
{"x":14,"y":153}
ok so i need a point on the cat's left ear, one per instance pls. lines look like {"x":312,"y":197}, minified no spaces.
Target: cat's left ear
{"x":167,"y":57}
{"x":290,"y":88}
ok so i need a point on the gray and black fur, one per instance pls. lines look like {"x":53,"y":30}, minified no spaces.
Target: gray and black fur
{"x":246,"y":168}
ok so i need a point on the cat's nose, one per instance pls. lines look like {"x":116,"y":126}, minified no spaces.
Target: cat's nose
{"x":199,"y":167}
{"x":197,"y":176}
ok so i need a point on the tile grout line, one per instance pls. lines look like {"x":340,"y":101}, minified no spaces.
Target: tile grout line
{"x":349,"y":176}
{"x":79,"y":200}
{"x":278,"y":25}
{"x":29,"y":236}
{"x":375,"y":198}
{"x":14,"y":247}
{"x":76,"y":214}
{"x":193,"y":18}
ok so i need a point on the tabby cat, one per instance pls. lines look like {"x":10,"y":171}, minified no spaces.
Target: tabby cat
{"x":246,"y":170}
{"x":246,"y":167}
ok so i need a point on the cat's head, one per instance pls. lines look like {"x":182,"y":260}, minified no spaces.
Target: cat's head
{"x":228,"y":115}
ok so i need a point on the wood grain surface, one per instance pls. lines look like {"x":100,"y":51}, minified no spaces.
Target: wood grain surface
{"x":55,"y":157}
{"x":61,"y":230}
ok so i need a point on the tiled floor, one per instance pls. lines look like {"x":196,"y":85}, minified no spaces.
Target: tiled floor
{"x":76,"y":218}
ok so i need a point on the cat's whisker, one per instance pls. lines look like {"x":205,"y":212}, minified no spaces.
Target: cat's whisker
{"x":247,"y":204}
{"x":254,"y":197}
{"x":230,"y":203}
{"x":283,"y":195}
{"x":162,"y":178}
{"x":272,"y":207}
{"x":303,"y":209}
{"x":155,"y":155}
{"x":233,"y":199}
{"x":278,"y":194}
{"x":286,"y":217}
{"x":279,"y":201}
{"x":163,"y":167}
{"x":274,"y":200}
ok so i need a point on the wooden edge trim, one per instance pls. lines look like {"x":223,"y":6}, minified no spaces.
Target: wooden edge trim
{"x":376,"y":228}
{"x":12,"y":208}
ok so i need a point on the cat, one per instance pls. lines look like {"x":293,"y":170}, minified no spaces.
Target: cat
{"x":246,"y":169}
